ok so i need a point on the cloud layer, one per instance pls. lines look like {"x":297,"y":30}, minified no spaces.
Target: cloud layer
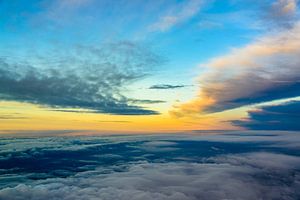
{"x":237,"y":165}
{"x":176,"y":181}
{"x":86,"y":78}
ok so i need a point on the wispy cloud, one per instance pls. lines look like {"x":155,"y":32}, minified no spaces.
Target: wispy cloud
{"x":11,"y":117}
{"x":63,"y":10}
{"x":283,"y":12}
{"x":178,"y":14}
{"x":166,"y":86}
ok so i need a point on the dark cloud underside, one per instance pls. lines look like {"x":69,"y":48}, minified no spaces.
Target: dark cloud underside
{"x":166,"y":86}
{"x":275,"y":117}
{"x":87,"y":78}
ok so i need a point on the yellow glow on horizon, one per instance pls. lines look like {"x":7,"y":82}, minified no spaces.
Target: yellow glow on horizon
{"x":25,"y":116}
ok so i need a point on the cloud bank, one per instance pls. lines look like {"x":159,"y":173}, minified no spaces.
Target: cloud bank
{"x":233,"y":166}
{"x":176,"y":181}
{"x":88,"y":78}
{"x":266,"y":70}
{"x":274,"y":117}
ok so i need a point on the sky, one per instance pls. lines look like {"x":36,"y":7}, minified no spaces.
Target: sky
{"x":149,"y":66}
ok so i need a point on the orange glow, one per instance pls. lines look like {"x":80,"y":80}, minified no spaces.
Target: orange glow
{"x":22,"y":116}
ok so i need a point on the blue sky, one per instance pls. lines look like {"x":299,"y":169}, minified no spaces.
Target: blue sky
{"x":212,"y":29}
{"x":117,"y":50}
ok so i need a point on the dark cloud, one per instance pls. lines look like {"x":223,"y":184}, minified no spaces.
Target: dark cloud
{"x":274,"y":117}
{"x":87,"y":78}
{"x":278,"y":90}
{"x":257,"y":85}
{"x":236,"y":165}
{"x":165,"y":86}
{"x":9,"y":117}
{"x":145,"y":101}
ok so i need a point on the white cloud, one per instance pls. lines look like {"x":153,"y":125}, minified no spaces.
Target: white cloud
{"x":245,"y":176}
{"x":248,"y":175}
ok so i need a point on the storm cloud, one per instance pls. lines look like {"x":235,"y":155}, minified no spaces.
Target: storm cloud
{"x":273,"y":117}
{"x":87,"y":78}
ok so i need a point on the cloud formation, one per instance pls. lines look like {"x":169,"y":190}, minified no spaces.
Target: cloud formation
{"x":177,"y":14}
{"x":274,"y":117}
{"x":61,"y":12}
{"x":165,"y":86}
{"x":176,"y":181}
{"x":266,"y":70}
{"x":283,"y":13}
{"x":88,"y":78}
{"x":233,"y":166}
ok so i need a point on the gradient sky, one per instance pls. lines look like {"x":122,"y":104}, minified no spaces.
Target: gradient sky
{"x":157,"y":65}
